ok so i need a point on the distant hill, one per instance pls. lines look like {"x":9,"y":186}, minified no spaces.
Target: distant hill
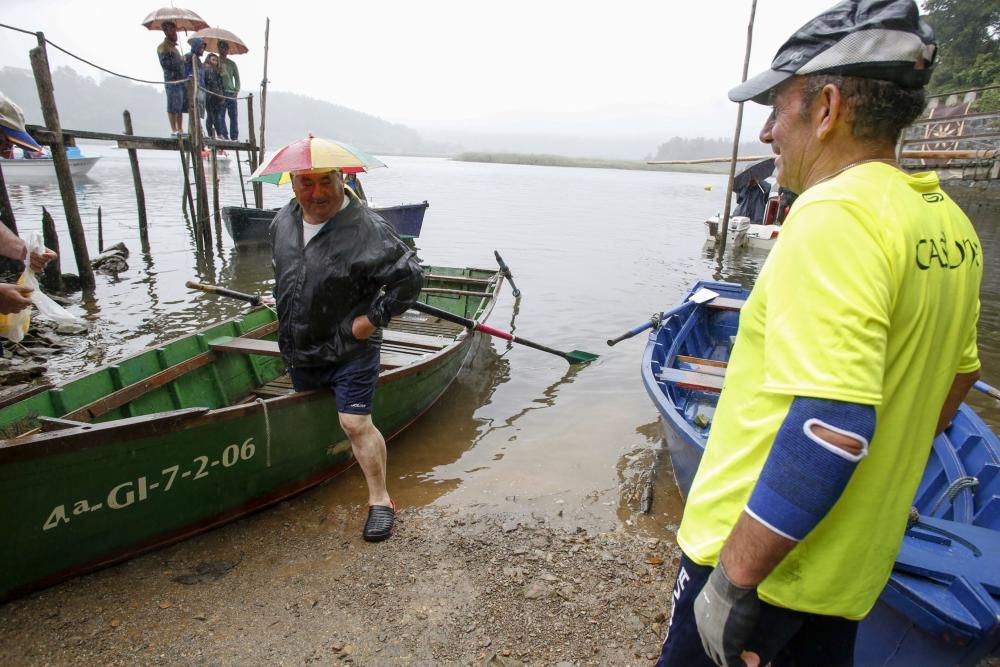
{"x":85,"y":104}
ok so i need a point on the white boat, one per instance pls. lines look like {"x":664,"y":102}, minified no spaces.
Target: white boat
{"x":33,"y":170}
{"x":745,"y":234}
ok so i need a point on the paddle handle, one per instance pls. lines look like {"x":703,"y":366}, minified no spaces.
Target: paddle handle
{"x":505,"y":271}
{"x":476,"y":326}
{"x":653,"y":321}
{"x":990,"y":391}
{"x":223,"y":291}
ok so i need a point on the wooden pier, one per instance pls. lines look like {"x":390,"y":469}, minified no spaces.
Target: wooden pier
{"x":189,"y":147}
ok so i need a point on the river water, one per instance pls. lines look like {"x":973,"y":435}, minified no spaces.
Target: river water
{"x":594,"y":252}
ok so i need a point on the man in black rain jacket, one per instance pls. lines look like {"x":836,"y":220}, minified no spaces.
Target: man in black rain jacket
{"x":341,"y":274}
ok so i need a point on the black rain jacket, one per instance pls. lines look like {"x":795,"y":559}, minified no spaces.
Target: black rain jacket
{"x":320,"y":288}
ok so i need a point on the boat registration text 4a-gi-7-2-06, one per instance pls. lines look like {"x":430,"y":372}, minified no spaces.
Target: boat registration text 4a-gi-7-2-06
{"x":128,"y":493}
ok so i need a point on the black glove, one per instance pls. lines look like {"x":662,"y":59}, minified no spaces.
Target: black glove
{"x":725,"y":614}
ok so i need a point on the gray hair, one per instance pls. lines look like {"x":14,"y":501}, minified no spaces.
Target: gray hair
{"x":880,"y":110}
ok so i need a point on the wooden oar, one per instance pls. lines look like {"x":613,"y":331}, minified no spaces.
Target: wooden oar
{"x":252,"y":299}
{"x":701,"y":296}
{"x":574,"y":357}
{"x":992,"y":392}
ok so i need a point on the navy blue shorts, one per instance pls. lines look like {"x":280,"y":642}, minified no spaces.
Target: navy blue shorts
{"x":782,"y":637}
{"x":176,"y":98}
{"x":352,"y":382}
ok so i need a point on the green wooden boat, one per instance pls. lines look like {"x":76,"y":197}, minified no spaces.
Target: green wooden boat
{"x":184,"y":437}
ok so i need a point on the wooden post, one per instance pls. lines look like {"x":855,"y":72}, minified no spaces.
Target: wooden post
{"x":140,"y":195}
{"x":202,"y":226}
{"x":100,"y":231}
{"x":263,"y":99}
{"x":239,"y":169}
{"x":46,"y":95}
{"x":6,"y":211}
{"x":258,"y":191}
{"x":736,"y":140}
{"x":52,"y":277}
{"x":215,"y":195}
{"x":187,"y":203}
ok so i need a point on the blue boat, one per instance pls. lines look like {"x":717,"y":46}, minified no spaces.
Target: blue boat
{"x":942,"y":603}
{"x":250,"y":225}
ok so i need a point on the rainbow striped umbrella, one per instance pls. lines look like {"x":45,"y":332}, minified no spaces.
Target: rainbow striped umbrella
{"x":313,"y":153}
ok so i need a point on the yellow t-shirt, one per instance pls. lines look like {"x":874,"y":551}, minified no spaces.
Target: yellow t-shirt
{"x":870,"y":296}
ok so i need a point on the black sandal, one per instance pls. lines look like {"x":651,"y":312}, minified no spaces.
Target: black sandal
{"x":380,"y":521}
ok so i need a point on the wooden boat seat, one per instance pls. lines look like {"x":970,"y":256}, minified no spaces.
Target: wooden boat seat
{"x":725,"y":303}
{"x":692,"y":380}
{"x":269,"y":348}
{"x":709,"y":366}
{"x":696,"y":373}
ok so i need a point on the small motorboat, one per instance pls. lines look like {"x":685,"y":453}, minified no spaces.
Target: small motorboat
{"x":42,"y":168}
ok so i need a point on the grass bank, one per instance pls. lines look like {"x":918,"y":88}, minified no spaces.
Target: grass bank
{"x":542,"y":160}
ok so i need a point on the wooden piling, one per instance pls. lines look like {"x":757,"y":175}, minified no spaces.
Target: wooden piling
{"x":52,"y":276}
{"x":203,"y":228}
{"x":100,"y":231}
{"x":187,"y":203}
{"x":724,"y":232}
{"x":239,"y":169}
{"x":46,"y":95}
{"x":258,"y":191}
{"x":215,"y":195}
{"x":6,"y":210}
{"x":263,"y":96}
{"x":140,"y":195}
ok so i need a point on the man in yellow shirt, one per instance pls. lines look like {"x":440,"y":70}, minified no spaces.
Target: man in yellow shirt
{"x":856,"y":346}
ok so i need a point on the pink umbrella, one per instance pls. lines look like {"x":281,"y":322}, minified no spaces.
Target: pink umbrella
{"x":185,"y":19}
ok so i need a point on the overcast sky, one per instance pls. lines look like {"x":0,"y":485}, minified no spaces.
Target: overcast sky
{"x":611,"y":68}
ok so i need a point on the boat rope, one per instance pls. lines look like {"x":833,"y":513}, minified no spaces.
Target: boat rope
{"x":103,"y":69}
{"x":964,"y":482}
{"x":267,"y":427}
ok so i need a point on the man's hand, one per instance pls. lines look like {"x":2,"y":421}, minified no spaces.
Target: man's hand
{"x":362,"y":327}
{"x":725,"y":615}
{"x":14,"y":298}
{"x":40,"y":259}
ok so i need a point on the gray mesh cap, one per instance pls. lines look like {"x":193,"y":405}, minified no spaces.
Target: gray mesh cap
{"x":873,"y":39}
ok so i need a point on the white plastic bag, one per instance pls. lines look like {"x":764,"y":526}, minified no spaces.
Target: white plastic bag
{"x":47,"y":308}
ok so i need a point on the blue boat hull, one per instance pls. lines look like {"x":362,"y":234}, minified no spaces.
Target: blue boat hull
{"x":247,"y":226}
{"x":942,"y":603}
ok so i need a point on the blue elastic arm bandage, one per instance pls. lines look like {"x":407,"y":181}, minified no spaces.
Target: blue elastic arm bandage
{"x":804,"y":475}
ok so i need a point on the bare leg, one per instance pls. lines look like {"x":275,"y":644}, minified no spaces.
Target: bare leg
{"x":369,"y":450}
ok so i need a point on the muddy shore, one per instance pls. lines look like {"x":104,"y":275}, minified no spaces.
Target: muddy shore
{"x":451,"y":587}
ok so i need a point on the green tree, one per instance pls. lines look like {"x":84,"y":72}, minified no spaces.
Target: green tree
{"x":968,"y":33}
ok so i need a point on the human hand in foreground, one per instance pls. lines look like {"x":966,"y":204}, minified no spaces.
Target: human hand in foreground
{"x":362,"y":327}
{"x":40,"y":259}
{"x":725,"y":615}
{"x":14,"y":298}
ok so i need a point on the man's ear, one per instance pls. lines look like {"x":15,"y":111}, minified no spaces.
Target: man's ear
{"x":829,"y":108}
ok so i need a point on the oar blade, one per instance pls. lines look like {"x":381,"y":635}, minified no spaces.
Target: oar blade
{"x":580,"y":357}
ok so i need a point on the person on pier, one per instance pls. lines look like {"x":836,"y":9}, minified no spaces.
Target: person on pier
{"x":341,"y":273}
{"x":856,"y":346}
{"x":172,"y":64}
{"x":215,"y":102}
{"x":230,"y":88}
